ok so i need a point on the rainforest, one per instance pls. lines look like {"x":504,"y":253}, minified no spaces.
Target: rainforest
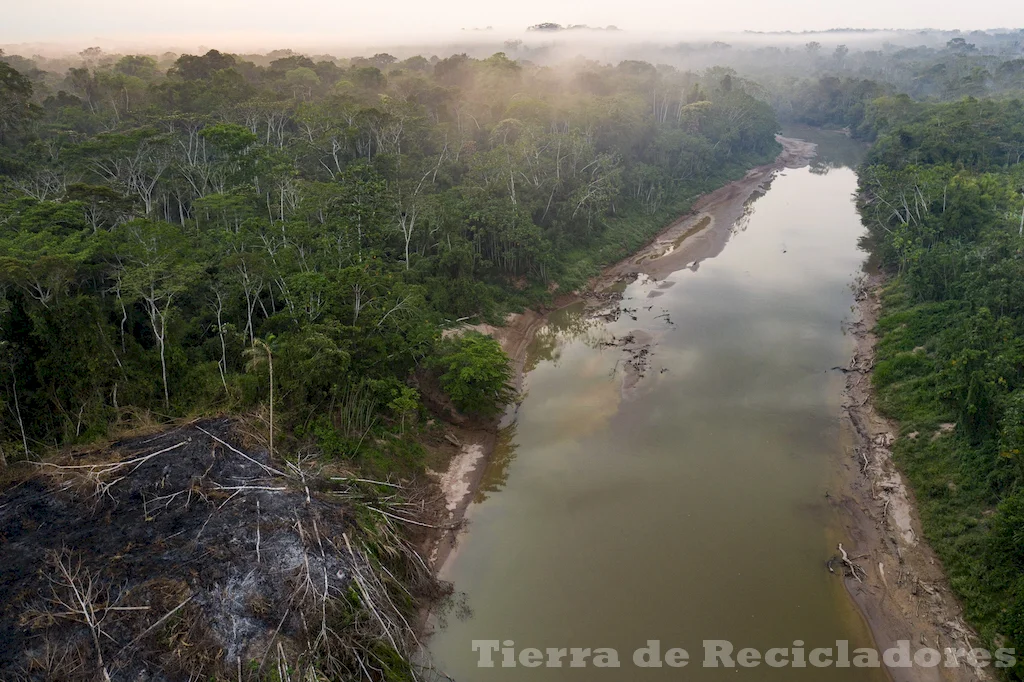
{"x":323,"y":366}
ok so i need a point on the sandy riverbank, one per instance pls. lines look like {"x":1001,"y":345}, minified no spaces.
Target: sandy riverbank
{"x":904,"y":593}
{"x":705,"y":230}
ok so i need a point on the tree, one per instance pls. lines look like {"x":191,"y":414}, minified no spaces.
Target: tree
{"x":44,"y":263}
{"x":303,"y":79}
{"x":140,"y":66}
{"x":959,"y":44}
{"x":840,"y":54}
{"x":134,"y":162}
{"x":156,"y":264}
{"x":6,"y":355}
{"x":192,"y":67}
{"x":406,"y":402}
{"x":477,"y":375}
{"x":16,"y":107}
{"x":103,"y":207}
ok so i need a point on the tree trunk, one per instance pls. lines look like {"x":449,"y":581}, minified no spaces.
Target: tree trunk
{"x":223,"y":364}
{"x":158,"y":320}
{"x":358,"y":290}
{"x":17,"y":413}
{"x":163,"y":370}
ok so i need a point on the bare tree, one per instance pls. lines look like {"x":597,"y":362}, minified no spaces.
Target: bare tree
{"x":222,"y":364}
{"x":135,"y":165}
{"x":77,"y":595}
{"x":409,"y":205}
{"x":15,"y":407}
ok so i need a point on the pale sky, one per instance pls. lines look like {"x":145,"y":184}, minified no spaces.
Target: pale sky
{"x":252,"y":23}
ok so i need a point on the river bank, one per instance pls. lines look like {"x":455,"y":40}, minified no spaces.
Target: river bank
{"x":903,"y":592}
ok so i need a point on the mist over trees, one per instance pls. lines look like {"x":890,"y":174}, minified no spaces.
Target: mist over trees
{"x":160,"y":215}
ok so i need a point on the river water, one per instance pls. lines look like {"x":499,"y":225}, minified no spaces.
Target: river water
{"x":692,"y":506}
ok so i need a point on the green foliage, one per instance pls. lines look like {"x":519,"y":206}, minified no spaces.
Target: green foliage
{"x":945,"y":208}
{"x":405,"y":404}
{"x":475,"y":374}
{"x":157,"y":219}
{"x":193,"y":67}
{"x":16,"y":106}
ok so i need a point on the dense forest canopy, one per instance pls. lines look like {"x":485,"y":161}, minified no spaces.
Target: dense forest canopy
{"x":161,"y":216}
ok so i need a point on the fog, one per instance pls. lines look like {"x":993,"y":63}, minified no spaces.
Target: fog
{"x":347,"y":27}
{"x":684,"y":49}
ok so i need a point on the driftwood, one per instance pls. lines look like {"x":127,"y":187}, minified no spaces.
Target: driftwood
{"x":853,"y":568}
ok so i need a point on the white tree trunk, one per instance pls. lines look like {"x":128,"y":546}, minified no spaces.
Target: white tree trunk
{"x":158,"y":321}
{"x":223,"y":364}
{"x":270,"y":362}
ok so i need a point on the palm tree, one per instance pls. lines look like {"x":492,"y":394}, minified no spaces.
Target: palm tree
{"x":259,"y":353}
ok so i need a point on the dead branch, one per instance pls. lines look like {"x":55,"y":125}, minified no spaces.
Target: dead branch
{"x":77,"y":591}
{"x":268,"y":469}
{"x":366,"y":480}
{"x":155,"y":625}
{"x":356,"y":574}
{"x":854,"y":568}
{"x":97,"y":473}
{"x":401,"y":518}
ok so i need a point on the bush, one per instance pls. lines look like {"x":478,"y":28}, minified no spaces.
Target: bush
{"x":476,"y":374}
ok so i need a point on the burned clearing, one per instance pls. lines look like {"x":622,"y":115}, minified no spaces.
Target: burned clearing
{"x":183,"y":555}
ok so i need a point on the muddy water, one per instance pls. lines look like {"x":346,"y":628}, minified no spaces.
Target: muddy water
{"x":692,"y":505}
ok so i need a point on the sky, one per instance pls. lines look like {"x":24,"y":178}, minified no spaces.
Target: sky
{"x":261,"y":23}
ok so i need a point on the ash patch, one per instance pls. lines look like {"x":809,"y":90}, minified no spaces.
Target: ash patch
{"x":168,"y":557}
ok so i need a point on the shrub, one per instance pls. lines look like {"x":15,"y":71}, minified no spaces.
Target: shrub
{"x":476,"y":374}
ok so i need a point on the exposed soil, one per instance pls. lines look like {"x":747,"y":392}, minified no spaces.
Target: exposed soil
{"x":458,"y":483}
{"x":903,"y":592}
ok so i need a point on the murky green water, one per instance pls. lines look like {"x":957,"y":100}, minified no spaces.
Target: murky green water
{"x":692,"y":508}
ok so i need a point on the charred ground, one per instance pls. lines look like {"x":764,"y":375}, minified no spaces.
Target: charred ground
{"x":183,"y":554}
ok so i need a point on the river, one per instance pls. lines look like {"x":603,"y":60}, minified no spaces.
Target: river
{"x":692,"y":505}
